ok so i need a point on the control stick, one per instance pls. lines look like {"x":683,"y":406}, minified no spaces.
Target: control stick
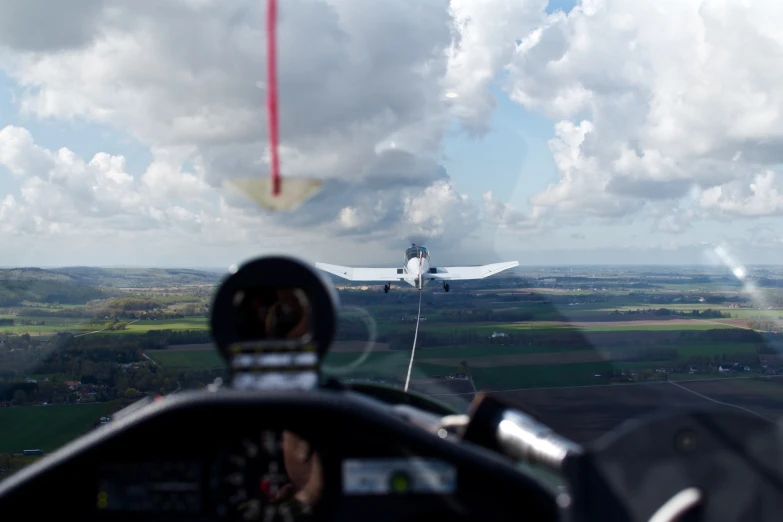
{"x":498,"y":426}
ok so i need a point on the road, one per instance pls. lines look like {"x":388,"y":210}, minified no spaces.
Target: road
{"x":727,"y":324}
{"x":151,"y":360}
{"x":97,"y":331}
{"x":721,"y":402}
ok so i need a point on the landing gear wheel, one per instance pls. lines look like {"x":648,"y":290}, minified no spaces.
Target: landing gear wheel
{"x":445,"y":287}
{"x":386,"y":288}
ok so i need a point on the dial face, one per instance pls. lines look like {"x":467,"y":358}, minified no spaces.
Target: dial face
{"x":272,"y":313}
{"x":266,"y":477}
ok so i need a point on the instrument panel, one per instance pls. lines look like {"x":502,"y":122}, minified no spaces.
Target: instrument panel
{"x":263,"y":475}
{"x":287,"y":456}
{"x":272,"y":475}
{"x":149,"y":487}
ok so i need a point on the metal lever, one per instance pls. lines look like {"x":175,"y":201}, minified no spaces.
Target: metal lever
{"x":521,"y":436}
{"x":497,"y":425}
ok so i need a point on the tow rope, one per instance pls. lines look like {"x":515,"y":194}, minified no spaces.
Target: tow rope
{"x":413,"y":351}
{"x":416,"y":334}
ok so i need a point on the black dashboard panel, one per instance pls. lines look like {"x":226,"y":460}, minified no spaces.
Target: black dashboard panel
{"x":179,"y":458}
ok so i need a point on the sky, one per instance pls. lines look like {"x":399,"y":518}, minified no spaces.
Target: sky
{"x":561,"y":132}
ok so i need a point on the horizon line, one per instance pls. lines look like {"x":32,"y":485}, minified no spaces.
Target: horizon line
{"x":374,"y":265}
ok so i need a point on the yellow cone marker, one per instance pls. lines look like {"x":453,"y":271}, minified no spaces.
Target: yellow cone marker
{"x":293,"y":191}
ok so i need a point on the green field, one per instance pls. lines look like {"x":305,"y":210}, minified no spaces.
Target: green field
{"x":187,"y":323}
{"x":470,"y":351}
{"x":390,"y":362}
{"x":46,"y":329}
{"x":657,"y":327}
{"x":143,"y":326}
{"x":750,"y":314}
{"x":45,"y":427}
{"x":735,"y":313}
{"x":82,"y":326}
{"x":547,"y":327}
{"x":671,"y":306}
{"x":48,"y":320}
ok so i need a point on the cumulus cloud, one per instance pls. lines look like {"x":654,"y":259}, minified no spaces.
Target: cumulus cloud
{"x":187,"y":75}
{"x":485,"y":36}
{"x":506,"y":217}
{"x":434,"y":212}
{"x":763,"y":196}
{"x":58,"y":25}
{"x":675,"y":222}
{"x":361,"y":108}
{"x":663,"y":110}
{"x":655,"y":98}
{"x":61,"y":193}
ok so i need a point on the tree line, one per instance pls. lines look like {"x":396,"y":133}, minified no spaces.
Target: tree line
{"x":16,"y":292}
{"x":113,"y":361}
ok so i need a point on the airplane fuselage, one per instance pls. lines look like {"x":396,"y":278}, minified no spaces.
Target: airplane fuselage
{"x":417,"y":263}
{"x":416,"y":266}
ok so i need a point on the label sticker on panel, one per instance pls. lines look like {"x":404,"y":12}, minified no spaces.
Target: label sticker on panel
{"x":400,"y":476}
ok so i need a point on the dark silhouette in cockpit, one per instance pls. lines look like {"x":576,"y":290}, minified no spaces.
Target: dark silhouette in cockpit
{"x":304,"y":469}
{"x":273,"y":313}
{"x":289,"y":316}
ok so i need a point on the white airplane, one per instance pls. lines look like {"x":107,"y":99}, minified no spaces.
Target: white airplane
{"x":416,"y":271}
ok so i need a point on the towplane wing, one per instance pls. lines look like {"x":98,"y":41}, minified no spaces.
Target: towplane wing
{"x":453,"y":273}
{"x":365,"y":274}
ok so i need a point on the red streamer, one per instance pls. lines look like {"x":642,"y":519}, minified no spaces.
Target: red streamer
{"x":271,"y":92}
